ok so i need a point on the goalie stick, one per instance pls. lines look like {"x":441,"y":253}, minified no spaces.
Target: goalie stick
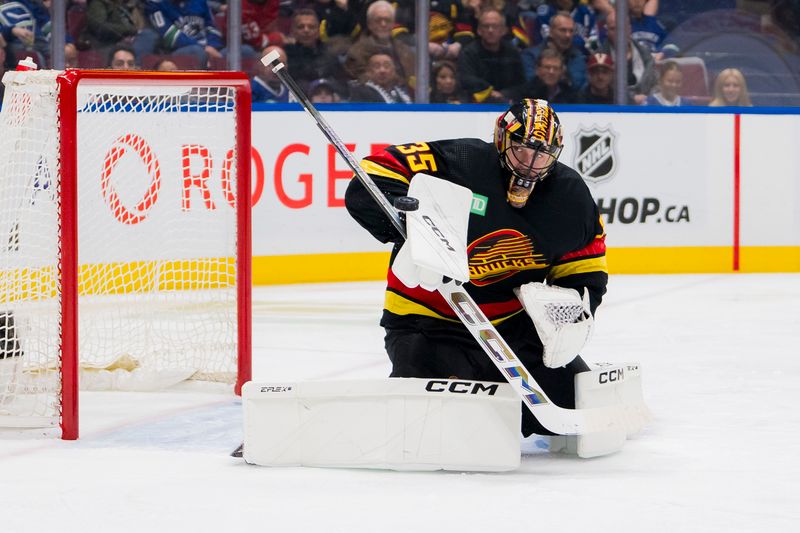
{"x":557,"y":419}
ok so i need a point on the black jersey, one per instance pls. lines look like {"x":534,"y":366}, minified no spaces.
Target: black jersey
{"x":557,"y":236}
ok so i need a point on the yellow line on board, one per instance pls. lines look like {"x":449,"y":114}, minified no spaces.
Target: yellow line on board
{"x":320,"y":268}
{"x":769,"y":259}
{"x":116,"y":278}
{"x":372,"y":266}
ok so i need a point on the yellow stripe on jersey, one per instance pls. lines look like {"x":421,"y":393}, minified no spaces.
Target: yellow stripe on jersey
{"x":397,"y":304}
{"x":582,"y":266}
{"x":370,"y":167}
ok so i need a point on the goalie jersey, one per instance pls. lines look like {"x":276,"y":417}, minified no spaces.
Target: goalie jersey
{"x":558,"y":236}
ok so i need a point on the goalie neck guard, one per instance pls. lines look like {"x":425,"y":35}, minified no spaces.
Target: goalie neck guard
{"x":528,"y":138}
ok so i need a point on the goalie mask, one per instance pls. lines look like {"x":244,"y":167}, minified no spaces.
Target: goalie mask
{"x":528,"y":139}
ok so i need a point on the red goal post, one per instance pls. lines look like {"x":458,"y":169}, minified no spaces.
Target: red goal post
{"x":125,"y":201}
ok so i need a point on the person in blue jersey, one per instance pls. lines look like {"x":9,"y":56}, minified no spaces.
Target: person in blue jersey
{"x":25,"y":26}
{"x":537,"y":222}
{"x":667,"y":93}
{"x":646,"y":29}
{"x":186,"y":27}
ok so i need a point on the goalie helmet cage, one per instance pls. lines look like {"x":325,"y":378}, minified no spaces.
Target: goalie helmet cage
{"x":147,"y":176}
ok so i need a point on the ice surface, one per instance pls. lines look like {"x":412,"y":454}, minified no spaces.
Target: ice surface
{"x":721,"y":370}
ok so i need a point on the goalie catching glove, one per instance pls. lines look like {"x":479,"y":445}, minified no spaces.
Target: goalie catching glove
{"x":436,"y":234}
{"x":562,"y":318}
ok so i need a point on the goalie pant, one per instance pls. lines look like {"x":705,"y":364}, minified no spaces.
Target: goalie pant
{"x":429,"y":348}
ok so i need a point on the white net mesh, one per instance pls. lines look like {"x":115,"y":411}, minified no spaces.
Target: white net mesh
{"x":156,"y":238}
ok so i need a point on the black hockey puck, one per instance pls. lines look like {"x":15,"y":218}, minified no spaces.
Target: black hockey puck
{"x":406,"y":203}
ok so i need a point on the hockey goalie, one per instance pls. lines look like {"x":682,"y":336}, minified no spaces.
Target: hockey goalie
{"x":495,"y":277}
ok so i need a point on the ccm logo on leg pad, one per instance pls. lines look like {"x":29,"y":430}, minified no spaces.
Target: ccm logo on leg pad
{"x":611,"y":375}
{"x":461,"y":387}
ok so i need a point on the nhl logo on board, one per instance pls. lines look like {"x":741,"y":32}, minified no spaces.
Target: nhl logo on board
{"x":595,"y":156}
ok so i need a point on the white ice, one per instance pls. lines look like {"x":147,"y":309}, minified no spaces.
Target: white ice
{"x":721,"y":369}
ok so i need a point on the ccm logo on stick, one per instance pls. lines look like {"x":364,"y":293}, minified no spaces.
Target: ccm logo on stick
{"x":460,"y":387}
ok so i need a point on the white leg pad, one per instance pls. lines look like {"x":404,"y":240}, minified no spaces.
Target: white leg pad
{"x":394,"y":423}
{"x":608,"y":384}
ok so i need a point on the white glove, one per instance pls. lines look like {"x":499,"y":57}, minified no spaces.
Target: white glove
{"x":562,"y":318}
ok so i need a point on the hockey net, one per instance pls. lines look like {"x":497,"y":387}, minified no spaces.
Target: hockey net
{"x":124,"y":248}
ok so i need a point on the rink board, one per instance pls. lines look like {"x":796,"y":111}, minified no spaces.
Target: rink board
{"x":666,"y":184}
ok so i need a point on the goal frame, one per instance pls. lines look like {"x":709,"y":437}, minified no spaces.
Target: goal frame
{"x":68,"y":83}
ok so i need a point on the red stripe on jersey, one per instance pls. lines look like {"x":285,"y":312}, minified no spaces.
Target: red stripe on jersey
{"x":594,"y":248}
{"x":435,"y":301}
{"x":385,"y":159}
{"x":431,"y":300}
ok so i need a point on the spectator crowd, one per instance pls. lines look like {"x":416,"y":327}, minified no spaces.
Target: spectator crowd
{"x":481,"y":51}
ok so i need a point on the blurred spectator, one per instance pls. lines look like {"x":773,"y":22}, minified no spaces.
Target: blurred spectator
{"x":70,"y":56}
{"x":3,"y":59}
{"x":110,"y":23}
{"x":122,"y":58}
{"x":670,"y":81}
{"x":265,"y":84}
{"x":641,"y":69}
{"x":308,"y":55}
{"x":380,"y":20}
{"x":730,"y":89}
{"x":646,"y":29}
{"x":562,"y":30}
{"x":25,"y":26}
{"x":446,"y":89}
{"x":337,"y":22}
{"x":186,"y":28}
{"x":323,"y":91}
{"x":259,"y":26}
{"x":599,"y":90}
{"x":535,"y":22}
{"x":382,"y":83}
{"x":449,"y":26}
{"x":548,"y":83}
{"x":490,"y":64}
{"x":165,"y":65}
{"x":783,"y":22}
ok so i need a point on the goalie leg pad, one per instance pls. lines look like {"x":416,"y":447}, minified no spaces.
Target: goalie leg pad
{"x":393,"y":423}
{"x":607,"y":384}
